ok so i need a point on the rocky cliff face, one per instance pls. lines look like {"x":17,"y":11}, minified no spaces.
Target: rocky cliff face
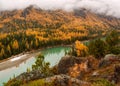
{"x":78,"y":71}
{"x":89,"y":69}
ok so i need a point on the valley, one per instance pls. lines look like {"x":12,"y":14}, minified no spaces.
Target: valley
{"x":35,"y":51}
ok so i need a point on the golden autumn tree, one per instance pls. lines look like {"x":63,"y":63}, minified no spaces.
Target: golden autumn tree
{"x":15,"y":45}
{"x":81,"y":49}
{"x":9,"y":49}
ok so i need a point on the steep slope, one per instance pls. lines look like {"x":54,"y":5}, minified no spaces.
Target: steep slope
{"x":32,"y":17}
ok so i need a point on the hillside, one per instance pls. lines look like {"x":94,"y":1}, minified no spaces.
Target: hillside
{"x":33,"y":28}
{"x":89,"y":65}
{"x":33,"y":17}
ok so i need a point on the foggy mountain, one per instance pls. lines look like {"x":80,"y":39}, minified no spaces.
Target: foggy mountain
{"x":107,"y":7}
{"x":34,"y":17}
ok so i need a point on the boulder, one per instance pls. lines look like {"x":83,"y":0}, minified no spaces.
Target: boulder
{"x":104,"y":63}
{"x":28,"y":76}
{"x":111,"y":57}
{"x":64,"y":80}
{"x":108,"y":59}
{"x":66,"y":62}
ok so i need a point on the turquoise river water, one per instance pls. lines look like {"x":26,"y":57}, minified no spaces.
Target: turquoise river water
{"x":52,"y":55}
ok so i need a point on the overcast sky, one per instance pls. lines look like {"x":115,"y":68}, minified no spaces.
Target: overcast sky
{"x":109,"y":7}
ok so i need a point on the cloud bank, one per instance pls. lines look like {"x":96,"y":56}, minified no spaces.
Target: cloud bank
{"x":108,"y":7}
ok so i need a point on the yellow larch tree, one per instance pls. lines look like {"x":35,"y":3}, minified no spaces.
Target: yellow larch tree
{"x":15,"y":45}
{"x":81,"y":49}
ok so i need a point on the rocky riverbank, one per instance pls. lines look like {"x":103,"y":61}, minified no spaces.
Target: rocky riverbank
{"x":80,"y":71}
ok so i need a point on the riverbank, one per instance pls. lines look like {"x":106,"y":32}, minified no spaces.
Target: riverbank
{"x":18,"y":59}
{"x":7,"y":63}
{"x":32,"y":51}
{"x":13,"y":61}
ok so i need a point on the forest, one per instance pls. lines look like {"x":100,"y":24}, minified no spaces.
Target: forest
{"x":31,"y":29}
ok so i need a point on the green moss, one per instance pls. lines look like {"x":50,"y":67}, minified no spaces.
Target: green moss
{"x":13,"y":82}
{"x":102,"y":82}
{"x":40,"y":82}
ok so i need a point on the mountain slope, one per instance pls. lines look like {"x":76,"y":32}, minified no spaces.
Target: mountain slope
{"x":32,"y":17}
{"x":33,"y":28}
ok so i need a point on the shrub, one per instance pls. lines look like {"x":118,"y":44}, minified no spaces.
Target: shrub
{"x":102,"y":82}
{"x":43,"y":66}
{"x":40,"y":82}
{"x":112,"y":40}
{"x":97,"y":48}
{"x":13,"y":82}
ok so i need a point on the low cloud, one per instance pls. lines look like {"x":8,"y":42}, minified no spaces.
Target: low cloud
{"x":108,"y":7}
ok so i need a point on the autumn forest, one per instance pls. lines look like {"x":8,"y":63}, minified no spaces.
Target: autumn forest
{"x":19,"y":33}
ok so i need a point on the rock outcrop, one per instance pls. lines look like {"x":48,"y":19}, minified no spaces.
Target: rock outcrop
{"x":57,"y":80}
{"x":111,"y":57}
{"x":28,"y":76}
{"x":68,"y":61}
{"x":116,"y":76}
{"x":64,"y":80}
{"x":108,"y":59}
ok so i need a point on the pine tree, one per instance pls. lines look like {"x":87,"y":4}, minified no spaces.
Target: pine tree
{"x":97,"y":48}
{"x":112,"y":41}
{"x":27,"y":45}
{"x":2,"y":54}
{"x":113,"y":38}
{"x":9,"y":50}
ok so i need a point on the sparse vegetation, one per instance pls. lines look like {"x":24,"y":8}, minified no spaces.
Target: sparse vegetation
{"x":102,"y":82}
{"x":39,"y":65}
{"x":42,"y":66}
{"x":40,"y":82}
{"x":13,"y":82}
